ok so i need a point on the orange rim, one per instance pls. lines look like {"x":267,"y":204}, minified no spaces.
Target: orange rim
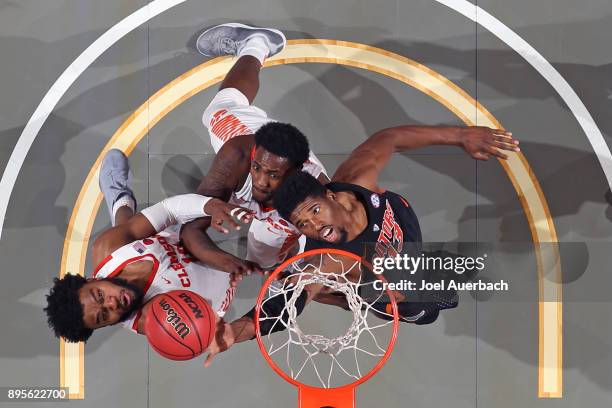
{"x":309,"y":392}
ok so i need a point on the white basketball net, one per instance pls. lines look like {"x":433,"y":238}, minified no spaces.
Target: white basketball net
{"x":313,"y":346}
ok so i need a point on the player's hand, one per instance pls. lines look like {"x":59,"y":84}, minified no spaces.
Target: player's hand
{"x":238,"y":268}
{"x":223,"y":340}
{"x":224,"y":214}
{"x":482,"y":142}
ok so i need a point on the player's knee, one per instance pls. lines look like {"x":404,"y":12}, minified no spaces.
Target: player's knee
{"x":428,"y":318}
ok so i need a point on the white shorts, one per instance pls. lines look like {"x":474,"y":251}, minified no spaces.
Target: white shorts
{"x":229,"y":114}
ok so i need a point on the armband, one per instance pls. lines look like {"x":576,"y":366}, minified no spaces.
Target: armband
{"x":179,"y":209}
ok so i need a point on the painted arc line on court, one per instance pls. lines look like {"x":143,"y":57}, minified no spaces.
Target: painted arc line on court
{"x":156,"y":7}
{"x":544,"y":68}
{"x":115,"y":33}
{"x":335,"y":52}
{"x":60,"y":87}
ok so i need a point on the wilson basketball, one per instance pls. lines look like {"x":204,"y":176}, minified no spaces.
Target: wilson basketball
{"x":180,"y":324}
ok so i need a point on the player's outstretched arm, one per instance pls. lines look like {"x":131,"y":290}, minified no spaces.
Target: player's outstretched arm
{"x":367,"y":161}
{"x":228,"y":334}
{"x":243,"y":329}
{"x":173,"y":210}
{"x":137,"y":227}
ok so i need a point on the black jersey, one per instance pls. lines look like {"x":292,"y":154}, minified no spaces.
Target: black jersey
{"x":392,"y":227}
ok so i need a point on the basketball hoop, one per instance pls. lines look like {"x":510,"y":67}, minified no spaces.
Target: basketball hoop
{"x":344,"y":354}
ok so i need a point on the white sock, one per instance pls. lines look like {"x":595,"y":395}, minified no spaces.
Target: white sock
{"x":255,"y":47}
{"x":125,"y":200}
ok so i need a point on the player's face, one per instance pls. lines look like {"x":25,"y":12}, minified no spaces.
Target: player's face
{"x":320,"y":218}
{"x":267,"y":171}
{"x":108,"y":301}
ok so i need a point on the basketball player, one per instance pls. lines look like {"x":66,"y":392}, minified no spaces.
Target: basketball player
{"x":354,"y":214}
{"x":138,"y":258}
{"x":254,"y":153}
{"x":135,"y":263}
{"x":353,"y":211}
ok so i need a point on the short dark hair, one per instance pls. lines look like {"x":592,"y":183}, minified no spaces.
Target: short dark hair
{"x":284,"y":140}
{"x":64,"y":309}
{"x":295,"y":189}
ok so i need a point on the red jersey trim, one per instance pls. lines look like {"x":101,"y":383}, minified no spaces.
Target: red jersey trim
{"x":146,"y":289}
{"x":136,"y":320}
{"x":404,"y":201}
{"x":153,"y":273}
{"x":147,"y":285}
{"x":132,"y":260}
{"x":265,"y":208}
{"x":101,"y":264}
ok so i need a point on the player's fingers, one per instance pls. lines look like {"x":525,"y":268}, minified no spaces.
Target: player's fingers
{"x":501,"y":132}
{"x":218,"y":225}
{"x":493,"y":151}
{"x":256,"y":268}
{"x":209,"y":359}
{"x":246,"y":217}
{"x":236,"y":277}
{"x":242,"y":214}
{"x":506,"y":146}
{"x":505,"y":139}
{"x":481,"y":156}
{"x":230,"y":222}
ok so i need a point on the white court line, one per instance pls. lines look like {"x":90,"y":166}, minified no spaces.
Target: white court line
{"x":554,"y":78}
{"x":115,"y":33}
{"x":60,"y":87}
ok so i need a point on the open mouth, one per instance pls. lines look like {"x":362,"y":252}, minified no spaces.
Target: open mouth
{"x":328,"y":233}
{"x":125,"y":300}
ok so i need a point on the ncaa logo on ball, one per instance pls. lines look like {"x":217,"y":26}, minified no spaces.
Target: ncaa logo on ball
{"x":192,"y":305}
{"x":174,"y":319}
{"x":375,"y":200}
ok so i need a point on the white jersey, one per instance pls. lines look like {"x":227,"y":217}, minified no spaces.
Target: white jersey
{"x":173,"y":269}
{"x":271,"y":238}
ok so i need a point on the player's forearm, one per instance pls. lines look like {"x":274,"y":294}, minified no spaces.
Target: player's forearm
{"x":176,"y":210}
{"x":243,"y":329}
{"x":403,"y":138}
{"x":201,"y":246}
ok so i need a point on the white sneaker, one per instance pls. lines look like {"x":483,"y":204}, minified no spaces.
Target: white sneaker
{"x":114,"y":178}
{"x":229,"y":38}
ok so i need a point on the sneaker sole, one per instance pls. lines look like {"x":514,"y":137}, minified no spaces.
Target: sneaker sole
{"x":239,"y":25}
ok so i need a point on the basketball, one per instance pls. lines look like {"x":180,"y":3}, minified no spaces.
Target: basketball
{"x":180,"y":324}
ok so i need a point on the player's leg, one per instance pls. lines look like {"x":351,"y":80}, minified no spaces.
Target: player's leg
{"x":114,"y":177}
{"x":410,"y":312}
{"x":250,"y":44}
{"x":420,"y":306}
{"x":230,"y":113}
